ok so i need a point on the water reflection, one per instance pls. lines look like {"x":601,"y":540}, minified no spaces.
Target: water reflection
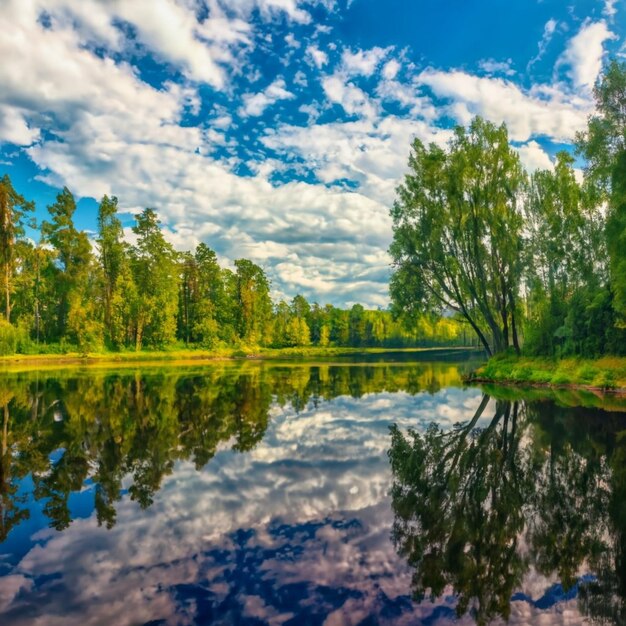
{"x":105,"y":427}
{"x":536,"y":488}
{"x":256,"y":493}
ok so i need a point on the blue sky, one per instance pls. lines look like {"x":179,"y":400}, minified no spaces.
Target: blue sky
{"x":277,"y":130}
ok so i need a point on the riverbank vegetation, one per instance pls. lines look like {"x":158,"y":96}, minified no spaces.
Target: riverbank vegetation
{"x":67,"y":292}
{"x":606,"y":373}
{"x":534,"y":263}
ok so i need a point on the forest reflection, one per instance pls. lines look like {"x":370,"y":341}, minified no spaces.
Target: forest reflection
{"x":524,"y":486}
{"x":124,"y":431}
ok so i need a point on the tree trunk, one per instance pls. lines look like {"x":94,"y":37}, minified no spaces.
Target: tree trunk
{"x":514,"y":324}
{"x":7,"y":291}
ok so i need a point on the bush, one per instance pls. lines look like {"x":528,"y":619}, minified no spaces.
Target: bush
{"x":587,"y":373}
{"x":541,"y":377}
{"x":605,"y":380}
{"x":522,"y":374}
{"x":561,"y":378}
{"x":8,"y":338}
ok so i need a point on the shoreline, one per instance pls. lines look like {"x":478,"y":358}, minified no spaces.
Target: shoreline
{"x":604,"y":375}
{"x":174,"y":357}
{"x":613,"y":391}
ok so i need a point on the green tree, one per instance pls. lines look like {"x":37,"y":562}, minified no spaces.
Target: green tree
{"x":564,"y":252}
{"x":13,"y":208}
{"x":254,"y":306}
{"x":212,"y":316}
{"x":603,"y":145}
{"x":74,"y":275}
{"x":458,"y":232}
{"x":357,"y":325}
{"x":155,"y":273}
{"x":113,"y":255}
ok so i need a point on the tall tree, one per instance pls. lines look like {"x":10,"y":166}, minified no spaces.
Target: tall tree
{"x":212,"y":310}
{"x":74,"y":271}
{"x":112,"y":253}
{"x":155,"y":271}
{"x":458,"y":232}
{"x":13,"y":208}
{"x":603,"y":145}
{"x":564,"y":250}
{"x":253,"y":299}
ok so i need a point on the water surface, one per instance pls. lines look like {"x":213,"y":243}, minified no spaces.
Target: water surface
{"x":328,"y":493}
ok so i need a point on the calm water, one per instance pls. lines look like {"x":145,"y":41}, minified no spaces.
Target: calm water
{"x":258,"y":493}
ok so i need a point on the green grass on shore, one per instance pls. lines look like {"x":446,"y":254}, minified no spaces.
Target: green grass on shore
{"x":606,"y":373}
{"x":189,"y":354}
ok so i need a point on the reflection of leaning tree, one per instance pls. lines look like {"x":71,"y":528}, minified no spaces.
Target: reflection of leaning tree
{"x":464,"y":499}
{"x":458,"y":500}
{"x":580,"y":505}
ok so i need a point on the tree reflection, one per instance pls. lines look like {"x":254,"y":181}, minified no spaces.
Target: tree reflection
{"x":111,"y":429}
{"x":532,"y":485}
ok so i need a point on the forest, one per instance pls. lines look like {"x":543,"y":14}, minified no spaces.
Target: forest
{"x":532,"y":262}
{"x":68,"y":292}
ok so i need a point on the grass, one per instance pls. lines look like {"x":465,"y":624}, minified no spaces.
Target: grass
{"x":606,"y":373}
{"x":193,"y":354}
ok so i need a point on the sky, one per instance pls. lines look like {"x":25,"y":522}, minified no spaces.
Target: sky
{"x":278,"y":130}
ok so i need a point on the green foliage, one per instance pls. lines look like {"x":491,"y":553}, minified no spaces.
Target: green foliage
{"x":457,"y":232}
{"x":604,"y":373}
{"x":155,"y":273}
{"x":8,"y":338}
{"x":13,"y":208}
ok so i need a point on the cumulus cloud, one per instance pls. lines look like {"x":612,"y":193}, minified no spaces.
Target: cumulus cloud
{"x":534,"y":157}
{"x":255,"y":104}
{"x":543,"y":110}
{"x":584,"y":53}
{"x":363,"y":62}
{"x":318,"y":57}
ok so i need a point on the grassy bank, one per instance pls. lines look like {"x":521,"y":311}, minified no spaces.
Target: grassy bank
{"x":186,"y":355}
{"x":605,"y":374}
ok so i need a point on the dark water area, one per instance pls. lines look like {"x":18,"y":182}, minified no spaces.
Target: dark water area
{"x":378,"y":492}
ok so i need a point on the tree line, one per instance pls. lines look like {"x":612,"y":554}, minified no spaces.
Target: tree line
{"x":68,"y":291}
{"x":535,"y":261}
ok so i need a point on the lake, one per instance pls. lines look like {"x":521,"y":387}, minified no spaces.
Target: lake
{"x":343,"y":492}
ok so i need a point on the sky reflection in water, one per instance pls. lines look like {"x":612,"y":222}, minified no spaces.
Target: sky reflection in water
{"x":261,"y":494}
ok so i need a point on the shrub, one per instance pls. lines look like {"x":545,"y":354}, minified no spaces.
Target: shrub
{"x":561,"y":378}
{"x":8,"y":338}
{"x":605,"y":380}
{"x":586,"y":373}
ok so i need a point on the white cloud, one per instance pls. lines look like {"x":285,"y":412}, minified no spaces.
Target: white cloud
{"x":352,"y":99}
{"x":363,"y":62}
{"x":609,"y":8}
{"x":255,"y":104}
{"x":291,"y":41}
{"x":585,"y":52}
{"x":317,"y":56}
{"x":491,"y":66}
{"x":107,"y":130}
{"x":534,"y":157}
{"x":14,"y":128}
{"x":269,"y":9}
{"x":548,"y":32}
{"x":391,"y":69}
{"x":543,"y":110}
